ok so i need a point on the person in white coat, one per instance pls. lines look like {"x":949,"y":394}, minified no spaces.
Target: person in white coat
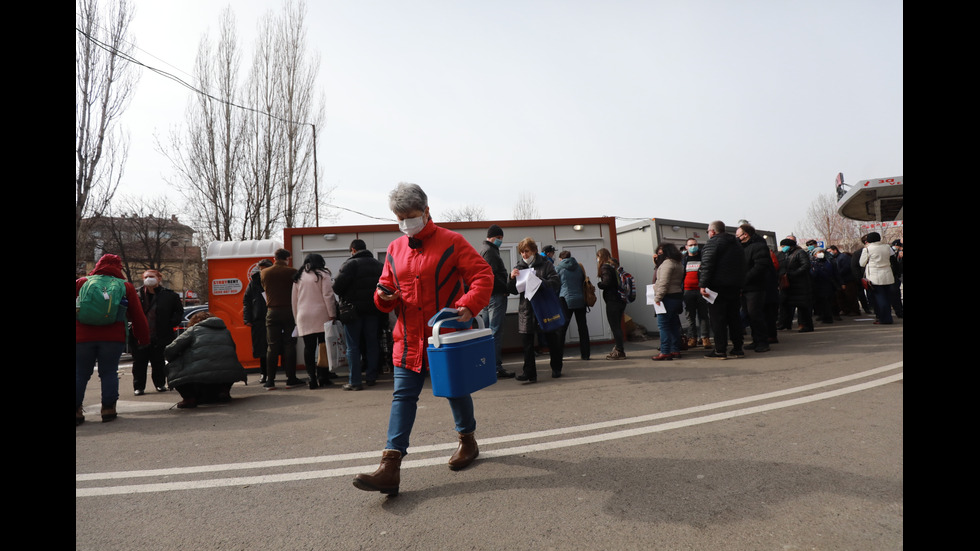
{"x":313,"y":306}
{"x":876,"y":261}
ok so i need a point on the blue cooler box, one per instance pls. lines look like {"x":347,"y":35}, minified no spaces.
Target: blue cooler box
{"x":461,"y":363}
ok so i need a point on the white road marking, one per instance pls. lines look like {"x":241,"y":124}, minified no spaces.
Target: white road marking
{"x":408,"y":464}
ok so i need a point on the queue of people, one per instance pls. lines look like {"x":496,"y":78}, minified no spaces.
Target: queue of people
{"x":725,"y":285}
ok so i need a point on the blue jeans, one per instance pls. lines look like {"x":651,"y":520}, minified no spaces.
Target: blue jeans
{"x":670,"y":325}
{"x":882,"y":300}
{"x":366,"y":326}
{"x":493,"y":317}
{"x":404,"y":404}
{"x":106,"y":354}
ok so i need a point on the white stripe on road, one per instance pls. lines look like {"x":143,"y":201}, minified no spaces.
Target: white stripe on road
{"x":346,"y":471}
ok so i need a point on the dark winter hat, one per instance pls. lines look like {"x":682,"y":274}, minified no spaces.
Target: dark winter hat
{"x":548,"y":249}
{"x":897,"y":243}
{"x":495,"y":231}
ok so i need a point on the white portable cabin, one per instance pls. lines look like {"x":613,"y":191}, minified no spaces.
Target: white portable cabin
{"x":581,"y":237}
{"x":638,"y":242}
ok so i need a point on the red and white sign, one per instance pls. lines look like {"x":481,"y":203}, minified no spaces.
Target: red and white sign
{"x":227,"y":286}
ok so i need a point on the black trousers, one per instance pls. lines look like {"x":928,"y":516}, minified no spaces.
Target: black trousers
{"x":755,"y":309}
{"x":279,"y":325}
{"x":554,"y":351}
{"x":726,"y":321}
{"x":584,"y":346}
{"x":149,"y":355}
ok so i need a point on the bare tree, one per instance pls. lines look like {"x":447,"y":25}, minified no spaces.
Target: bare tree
{"x":104,"y":84}
{"x":823,"y":222}
{"x":525,"y":208}
{"x":207,"y":157}
{"x":262,"y":204}
{"x":141,"y":231}
{"x":468,"y":213}
{"x":297,"y":71}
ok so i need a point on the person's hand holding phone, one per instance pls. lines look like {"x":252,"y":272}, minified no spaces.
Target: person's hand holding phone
{"x":386,"y":293}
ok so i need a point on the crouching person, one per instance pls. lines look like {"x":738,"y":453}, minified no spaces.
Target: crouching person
{"x":202,"y":363}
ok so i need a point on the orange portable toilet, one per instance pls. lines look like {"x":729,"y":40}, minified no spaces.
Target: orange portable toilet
{"x":230,"y":268}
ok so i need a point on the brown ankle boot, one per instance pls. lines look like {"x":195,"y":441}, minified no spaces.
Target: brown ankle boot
{"x":386,"y":478}
{"x":465,"y":453}
{"x":108,"y":412}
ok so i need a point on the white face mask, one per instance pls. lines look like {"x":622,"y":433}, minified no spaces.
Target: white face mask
{"x":150,"y":281}
{"x":411,"y":226}
{"x":528,"y":258}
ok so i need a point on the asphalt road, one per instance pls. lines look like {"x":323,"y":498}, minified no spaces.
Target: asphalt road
{"x":797,"y":448}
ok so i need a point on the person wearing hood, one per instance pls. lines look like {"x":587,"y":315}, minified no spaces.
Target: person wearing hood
{"x":253,"y":314}
{"x":104,"y":344}
{"x":527,"y":322}
{"x":202,"y":363}
{"x":572,"y":295}
{"x":164,"y":312}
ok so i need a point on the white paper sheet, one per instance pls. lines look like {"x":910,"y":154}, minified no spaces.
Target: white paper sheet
{"x":712,"y":295}
{"x":658,"y":307}
{"x":528,"y":282}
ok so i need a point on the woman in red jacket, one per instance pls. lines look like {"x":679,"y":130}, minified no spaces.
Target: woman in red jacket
{"x":104,"y":344}
{"x":430,"y":269}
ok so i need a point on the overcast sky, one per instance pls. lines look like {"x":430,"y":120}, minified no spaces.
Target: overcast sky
{"x":693,"y":110}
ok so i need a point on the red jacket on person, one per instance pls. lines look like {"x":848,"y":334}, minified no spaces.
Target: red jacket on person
{"x":110,"y":265}
{"x":435,"y":269}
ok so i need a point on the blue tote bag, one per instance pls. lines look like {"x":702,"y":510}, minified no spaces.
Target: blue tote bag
{"x":547,"y":309}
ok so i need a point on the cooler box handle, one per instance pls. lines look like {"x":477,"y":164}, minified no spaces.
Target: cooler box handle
{"x":435,"y":329}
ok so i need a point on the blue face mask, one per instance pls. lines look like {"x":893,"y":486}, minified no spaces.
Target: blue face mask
{"x":810,"y":247}
{"x":497,"y":242}
{"x":692,"y":250}
{"x":785,"y":248}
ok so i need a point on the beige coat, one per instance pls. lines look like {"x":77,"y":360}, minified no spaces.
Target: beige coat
{"x":876,"y":260}
{"x":670,"y":279}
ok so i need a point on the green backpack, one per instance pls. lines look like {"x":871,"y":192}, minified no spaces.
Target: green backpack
{"x":99,"y":299}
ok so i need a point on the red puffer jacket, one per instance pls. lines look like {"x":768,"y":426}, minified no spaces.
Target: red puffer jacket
{"x":436,"y":269}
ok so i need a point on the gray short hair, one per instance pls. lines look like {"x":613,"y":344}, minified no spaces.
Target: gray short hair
{"x":718,"y":226}
{"x":407,"y":198}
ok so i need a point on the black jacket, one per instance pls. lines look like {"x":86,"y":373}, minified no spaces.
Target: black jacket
{"x":526,"y":322}
{"x":357,"y":280}
{"x":798,"y":272}
{"x":205,"y":353}
{"x":164,"y":312}
{"x":758,"y":264}
{"x":253,"y":312}
{"x":722,"y":264}
{"x":491,"y":253}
